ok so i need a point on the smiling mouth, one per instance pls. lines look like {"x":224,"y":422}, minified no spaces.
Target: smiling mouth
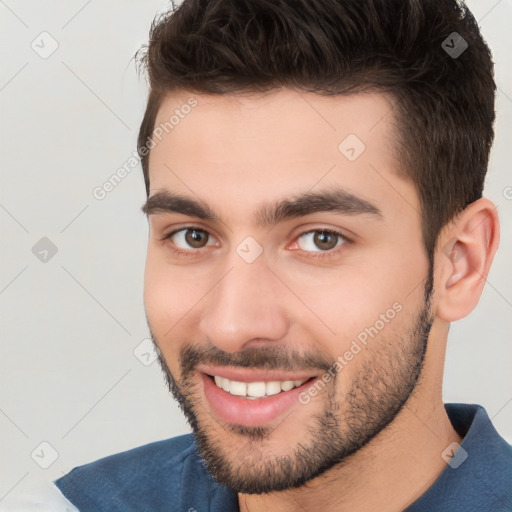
{"x":257,"y":389}
{"x":252,"y":398}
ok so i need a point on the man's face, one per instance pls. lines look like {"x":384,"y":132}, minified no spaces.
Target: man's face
{"x":303,"y":269}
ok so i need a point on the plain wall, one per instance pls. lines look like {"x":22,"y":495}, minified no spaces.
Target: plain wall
{"x":70,"y":325}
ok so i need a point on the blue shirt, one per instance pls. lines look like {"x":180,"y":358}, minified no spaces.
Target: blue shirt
{"x":170,"y":475}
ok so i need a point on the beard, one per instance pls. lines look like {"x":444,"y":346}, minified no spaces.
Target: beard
{"x":379,"y":390}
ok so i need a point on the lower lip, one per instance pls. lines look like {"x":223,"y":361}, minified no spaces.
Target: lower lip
{"x":237,"y":410}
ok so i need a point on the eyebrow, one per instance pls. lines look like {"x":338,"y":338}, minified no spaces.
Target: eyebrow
{"x":336,"y":200}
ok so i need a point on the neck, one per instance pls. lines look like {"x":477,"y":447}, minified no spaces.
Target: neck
{"x":388,"y":474}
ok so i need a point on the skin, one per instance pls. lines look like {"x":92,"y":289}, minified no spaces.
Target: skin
{"x":237,"y":152}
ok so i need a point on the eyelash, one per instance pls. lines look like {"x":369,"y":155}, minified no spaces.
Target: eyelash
{"x":323,"y":255}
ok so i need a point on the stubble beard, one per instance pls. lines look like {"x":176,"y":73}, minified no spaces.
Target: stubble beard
{"x":381,"y":387}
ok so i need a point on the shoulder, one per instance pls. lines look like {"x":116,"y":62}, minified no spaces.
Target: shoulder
{"x":157,"y":453}
{"x":478,"y":471}
{"x":165,"y":455}
{"x":151,"y":474}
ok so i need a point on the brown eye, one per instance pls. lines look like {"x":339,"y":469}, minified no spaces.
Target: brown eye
{"x":320,"y":240}
{"x":325,"y":240}
{"x":196,"y":238}
{"x":189,"y":238}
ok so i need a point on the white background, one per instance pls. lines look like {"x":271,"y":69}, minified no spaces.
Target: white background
{"x":68,"y":375}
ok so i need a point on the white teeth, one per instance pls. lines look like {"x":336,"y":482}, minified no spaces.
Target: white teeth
{"x":273,"y":387}
{"x":255,"y":390}
{"x":226,"y":385}
{"x":238,"y":388}
{"x":287,"y":385}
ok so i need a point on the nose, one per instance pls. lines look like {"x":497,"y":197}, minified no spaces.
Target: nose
{"x":246,"y":308}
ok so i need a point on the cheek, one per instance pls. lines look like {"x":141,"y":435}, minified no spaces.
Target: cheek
{"x":367,"y":299}
{"x":163,"y":294}
{"x":171,"y":296}
{"x":163,"y":301}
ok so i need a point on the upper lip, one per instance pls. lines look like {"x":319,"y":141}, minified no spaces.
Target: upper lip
{"x":254,"y":375}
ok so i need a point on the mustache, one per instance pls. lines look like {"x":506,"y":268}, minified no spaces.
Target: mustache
{"x":265,"y":358}
{"x":277,"y":357}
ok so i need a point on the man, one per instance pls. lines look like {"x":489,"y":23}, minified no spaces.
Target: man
{"x":314,"y":172}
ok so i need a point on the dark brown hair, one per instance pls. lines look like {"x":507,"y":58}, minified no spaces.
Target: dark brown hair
{"x":444,"y":102}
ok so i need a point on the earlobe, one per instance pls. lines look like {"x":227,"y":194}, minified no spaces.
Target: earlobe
{"x":464,"y":255}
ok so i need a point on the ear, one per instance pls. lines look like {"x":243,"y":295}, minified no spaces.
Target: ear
{"x":464,"y":253}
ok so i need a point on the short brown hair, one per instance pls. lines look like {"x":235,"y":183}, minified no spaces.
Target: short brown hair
{"x":444,"y":102}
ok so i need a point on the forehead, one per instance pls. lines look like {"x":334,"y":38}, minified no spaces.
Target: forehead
{"x":233,"y":150}
{"x":225,"y":123}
